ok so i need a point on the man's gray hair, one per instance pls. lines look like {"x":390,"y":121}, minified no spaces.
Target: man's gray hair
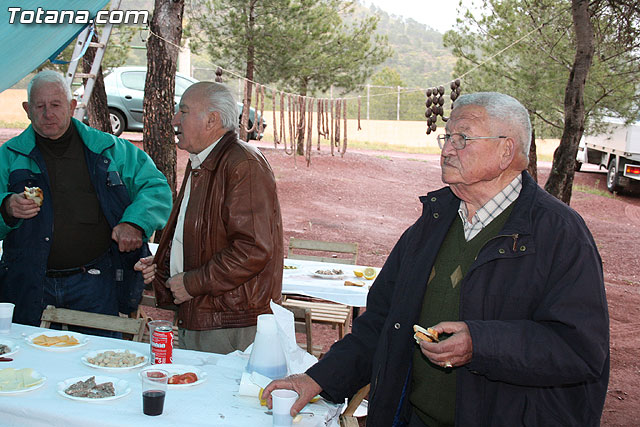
{"x":221,"y":99}
{"x":49,"y":76}
{"x":503,"y":109}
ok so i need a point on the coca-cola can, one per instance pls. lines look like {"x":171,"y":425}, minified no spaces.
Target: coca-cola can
{"x":162,"y":345}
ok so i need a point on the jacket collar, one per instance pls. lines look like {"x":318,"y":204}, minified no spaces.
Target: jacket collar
{"x":213,"y":159}
{"x":443,"y":200}
{"x":26,"y":141}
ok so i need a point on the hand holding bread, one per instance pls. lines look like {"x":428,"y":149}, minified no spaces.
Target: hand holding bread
{"x":20,"y":207}
{"x":35,"y":194}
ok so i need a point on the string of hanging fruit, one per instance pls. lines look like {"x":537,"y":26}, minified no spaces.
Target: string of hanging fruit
{"x":435,"y":104}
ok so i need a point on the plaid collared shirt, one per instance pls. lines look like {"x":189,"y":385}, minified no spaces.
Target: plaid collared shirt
{"x":490,"y":210}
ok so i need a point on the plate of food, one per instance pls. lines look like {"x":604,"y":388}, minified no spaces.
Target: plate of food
{"x":91,"y":388}
{"x":20,"y":380}
{"x":291,"y":266}
{"x":57,"y":340}
{"x":8,"y":347}
{"x":114,"y":359}
{"x":332,"y":273}
{"x":180,"y":376}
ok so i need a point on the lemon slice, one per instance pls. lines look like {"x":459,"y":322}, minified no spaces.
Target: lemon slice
{"x":369,"y":273}
{"x":263,"y":402}
{"x":358,"y":273}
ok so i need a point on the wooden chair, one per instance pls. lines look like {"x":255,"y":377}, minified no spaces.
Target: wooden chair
{"x":346,"y":418}
{"x":302,"y":323}
{"x":142,"y":313}
{"x":125,"y":325}
{"x":331,"y":250}
{"x":324,"y":312}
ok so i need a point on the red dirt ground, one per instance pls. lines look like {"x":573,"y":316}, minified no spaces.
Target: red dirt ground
{"x":372,"y":197}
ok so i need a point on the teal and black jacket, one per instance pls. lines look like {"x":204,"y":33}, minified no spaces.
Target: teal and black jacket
{"x":129,"y":188}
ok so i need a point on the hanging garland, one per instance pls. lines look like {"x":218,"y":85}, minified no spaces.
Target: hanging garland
{"x":309,"y":133}
{"x":260,"y":118}
{"x":283,"y":128}
{"x":336,"y":135}
{"x":320,"y":118}
{"x":276,"y":140}
{"x":290,"y":121}
{"x":359,"y":104}
{"x":344,"y":138}
{"x":247,"y":119}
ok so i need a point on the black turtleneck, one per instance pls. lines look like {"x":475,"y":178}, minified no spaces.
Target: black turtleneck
{"x":80,"y":230}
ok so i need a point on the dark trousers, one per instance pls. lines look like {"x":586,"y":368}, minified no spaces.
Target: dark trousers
{"x":92,"y":290}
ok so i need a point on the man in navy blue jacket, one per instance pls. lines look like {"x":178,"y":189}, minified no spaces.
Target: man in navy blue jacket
{"x":509,"y":277}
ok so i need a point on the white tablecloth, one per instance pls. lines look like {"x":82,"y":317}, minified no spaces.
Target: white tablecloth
{"x":214,"y":402}
{"x":302,"y":281}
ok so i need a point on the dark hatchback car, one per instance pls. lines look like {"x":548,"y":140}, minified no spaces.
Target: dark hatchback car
{"x":125,"y":93}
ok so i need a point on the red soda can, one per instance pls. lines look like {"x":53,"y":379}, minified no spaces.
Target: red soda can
{"x":162,"y":345}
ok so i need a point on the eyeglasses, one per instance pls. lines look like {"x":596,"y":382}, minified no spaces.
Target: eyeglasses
{"x":459,"y":140}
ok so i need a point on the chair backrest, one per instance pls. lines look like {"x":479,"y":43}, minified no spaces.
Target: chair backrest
{"x":302,"y":323}
{"x":126,"y":325}
{"x":355,"y":401}
{"x":331,"y":250}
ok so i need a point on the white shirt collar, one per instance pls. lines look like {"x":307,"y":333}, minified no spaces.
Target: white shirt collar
{"x":198,"y":159}
{"x":490,"y":210}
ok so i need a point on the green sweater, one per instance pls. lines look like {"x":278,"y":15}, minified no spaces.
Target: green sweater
{"x":433,"y":388}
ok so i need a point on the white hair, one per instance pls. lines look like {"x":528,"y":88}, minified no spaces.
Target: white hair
{"x":49,"y":76}
{"x":220,"y":99}
{"x":503,"y":109}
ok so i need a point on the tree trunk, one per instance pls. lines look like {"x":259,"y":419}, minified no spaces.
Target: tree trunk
{"x":159,"y":105}
{"x":533,"y":157}
{"x":246,"y":102}
{"x":560,"y":180}
{"x":97,"y":109}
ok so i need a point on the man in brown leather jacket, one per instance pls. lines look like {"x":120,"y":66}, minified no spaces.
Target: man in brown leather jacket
{"x":220,"y":256}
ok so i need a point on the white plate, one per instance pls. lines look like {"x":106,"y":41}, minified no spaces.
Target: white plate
{"x":87,"y":356}
{"x":121,"y":388}
{"x":292,"y":263}
{"x":174,"y":369}
{"x":330,"y":276}
{"x":13,"y":347}
{"x":35,"y":375}
{"x":82,"y":339}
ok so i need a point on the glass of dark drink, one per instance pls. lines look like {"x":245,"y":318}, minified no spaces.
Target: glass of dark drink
{"x":154,"y":389}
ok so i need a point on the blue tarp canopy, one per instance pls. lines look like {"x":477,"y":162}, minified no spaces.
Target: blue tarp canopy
{"x":25,"y":44}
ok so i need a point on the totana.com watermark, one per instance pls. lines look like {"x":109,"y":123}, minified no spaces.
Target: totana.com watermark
{"x":44,"y":16}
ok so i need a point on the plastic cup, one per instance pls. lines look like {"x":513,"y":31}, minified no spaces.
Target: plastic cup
{"x":6,"y":317}
{"x":152,"y":327}
{"x":283,"y":400}
{"x":154,"y":390}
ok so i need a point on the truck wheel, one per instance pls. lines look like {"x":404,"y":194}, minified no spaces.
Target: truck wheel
{"x":577,"y":166}
{"x":612,"y":177}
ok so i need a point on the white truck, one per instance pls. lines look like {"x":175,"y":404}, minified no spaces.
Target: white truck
{"x":618,"y":151}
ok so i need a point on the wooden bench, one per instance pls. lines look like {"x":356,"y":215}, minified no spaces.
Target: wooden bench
{"x":334,"y":251}
{"x":105,"y":322}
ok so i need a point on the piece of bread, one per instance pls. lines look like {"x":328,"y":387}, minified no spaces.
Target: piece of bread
{"x":35,"y":194}
{"x":358,"y":283}
{"x":422,"y":334}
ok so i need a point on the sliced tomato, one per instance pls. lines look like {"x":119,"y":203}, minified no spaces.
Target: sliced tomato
{"x":189,"y":378}
{"x":175,"y":379}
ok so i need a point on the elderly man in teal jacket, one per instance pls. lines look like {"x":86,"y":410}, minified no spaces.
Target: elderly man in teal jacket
{"x":102,"y":200}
